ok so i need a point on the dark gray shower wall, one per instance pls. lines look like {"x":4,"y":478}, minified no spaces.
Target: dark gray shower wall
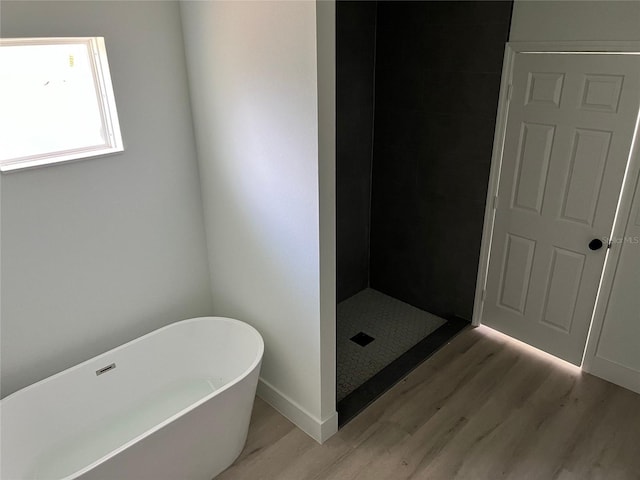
{"x":355,"y":51}
{"x":438,"y":70}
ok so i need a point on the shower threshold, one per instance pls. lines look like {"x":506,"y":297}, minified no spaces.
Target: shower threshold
{"x":406,"y":336}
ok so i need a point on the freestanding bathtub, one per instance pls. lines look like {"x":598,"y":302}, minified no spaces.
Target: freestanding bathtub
{"x":174,"y":404}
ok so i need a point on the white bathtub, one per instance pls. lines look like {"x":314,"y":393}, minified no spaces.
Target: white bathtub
{"x":174,"y":404}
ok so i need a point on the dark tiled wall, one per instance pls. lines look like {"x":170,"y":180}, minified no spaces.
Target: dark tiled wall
{"x":355,"y":50}
{"x":438,"y":70}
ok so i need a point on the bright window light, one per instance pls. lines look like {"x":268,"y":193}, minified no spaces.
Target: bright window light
{"x":56,"y":102}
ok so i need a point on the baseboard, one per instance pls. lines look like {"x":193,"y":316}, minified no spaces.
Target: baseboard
{"x":614,"y":373}
{"x":319,"y":430}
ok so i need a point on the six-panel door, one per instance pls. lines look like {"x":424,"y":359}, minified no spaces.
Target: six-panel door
{"x":570,"y":125}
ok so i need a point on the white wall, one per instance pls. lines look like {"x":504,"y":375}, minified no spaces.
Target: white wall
{"x":326,"y":25}
{"x":254,"y":83}
{"x":574,"y":20}
{"x":98,"y":252}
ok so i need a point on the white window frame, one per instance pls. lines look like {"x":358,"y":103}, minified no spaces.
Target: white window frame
{"x":106,"y":101}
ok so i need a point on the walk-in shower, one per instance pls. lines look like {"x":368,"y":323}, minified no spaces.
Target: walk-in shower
{"x":417,"y":92}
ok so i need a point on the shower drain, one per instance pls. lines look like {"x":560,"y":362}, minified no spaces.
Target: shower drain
{"x":362,"y":339}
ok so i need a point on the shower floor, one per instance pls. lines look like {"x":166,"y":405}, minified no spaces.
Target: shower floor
{"x":395,"y":327}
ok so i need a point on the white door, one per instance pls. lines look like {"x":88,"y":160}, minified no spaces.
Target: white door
{"x":570,"y":125}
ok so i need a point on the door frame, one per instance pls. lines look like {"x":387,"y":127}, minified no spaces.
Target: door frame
{"x":624,"y":205}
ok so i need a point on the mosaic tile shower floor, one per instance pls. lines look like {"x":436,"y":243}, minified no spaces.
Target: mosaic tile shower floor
{"x":395,"y":326}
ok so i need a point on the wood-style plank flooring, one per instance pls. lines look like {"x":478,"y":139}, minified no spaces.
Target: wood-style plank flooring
{"x":482,"y":407}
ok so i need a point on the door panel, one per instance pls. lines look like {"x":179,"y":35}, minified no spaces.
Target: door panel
{"x":533,"y":165}
{"x":563,"y":285}
{"x":569,"y":130}
{"x":589,"y":155}
{"x":517,"y":273}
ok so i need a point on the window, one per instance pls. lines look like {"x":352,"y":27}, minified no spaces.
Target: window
{"x":56,"y":101}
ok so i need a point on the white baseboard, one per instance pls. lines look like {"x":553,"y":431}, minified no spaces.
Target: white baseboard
{"x":614,"y":373}
{"x":319,"y":430}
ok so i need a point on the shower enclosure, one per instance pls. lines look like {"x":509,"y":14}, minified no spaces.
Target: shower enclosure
{"x":417,"y":92}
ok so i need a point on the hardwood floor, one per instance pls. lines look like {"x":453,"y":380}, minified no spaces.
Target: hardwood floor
{"x":483,"y":407}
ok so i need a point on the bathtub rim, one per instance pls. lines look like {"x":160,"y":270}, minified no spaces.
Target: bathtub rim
{"x":255,"y":363}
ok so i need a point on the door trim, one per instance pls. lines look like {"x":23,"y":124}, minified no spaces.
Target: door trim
{"x":511,"y":49}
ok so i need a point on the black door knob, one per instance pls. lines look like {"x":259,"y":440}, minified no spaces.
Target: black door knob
{"x":595,"y":244}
